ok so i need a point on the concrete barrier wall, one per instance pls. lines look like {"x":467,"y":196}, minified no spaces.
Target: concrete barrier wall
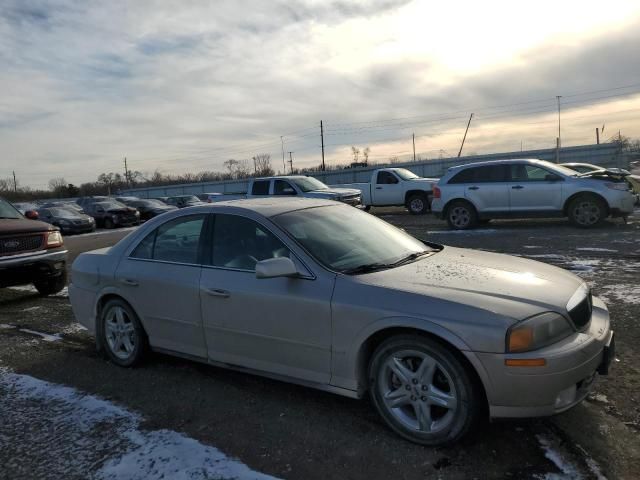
{"x":607,"y":155}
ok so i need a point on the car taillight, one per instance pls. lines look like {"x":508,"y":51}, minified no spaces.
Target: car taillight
{"x":436,"y":192}
{"x":54,"y":239}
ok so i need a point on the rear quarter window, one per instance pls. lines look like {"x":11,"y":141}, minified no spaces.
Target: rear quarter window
{"x":260,"y":187}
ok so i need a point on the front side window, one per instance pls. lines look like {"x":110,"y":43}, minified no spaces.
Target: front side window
{"x":260,"y":187}
{"x":280,"y":187}
{"x":309,"y":184}
{"x":386,"y":178}
{"x":239,"y":242}
{"x":405,"y":174}
{"x":177,"y":241}
{"x":529,"y":173}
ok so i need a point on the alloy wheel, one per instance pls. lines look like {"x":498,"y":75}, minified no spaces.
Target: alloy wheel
{"x":418,"y":391}
{"x":586,"y":213}
{"x":416,"y":205}
{"x":460,"y":217}
{"x":120,"y":333}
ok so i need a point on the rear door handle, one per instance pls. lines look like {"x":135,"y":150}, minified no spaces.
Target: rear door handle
{"x":217,"y":292}
{"x":517,"y":187}
{"x":128,"y":281}
{"x":474,"y":188}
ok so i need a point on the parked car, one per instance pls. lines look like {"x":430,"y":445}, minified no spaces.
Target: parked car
{"x":481,"y":191}
{"x":182,"y":201}
{"x":322,"y":294}
{"x":149,"y":208}
{"x":396,"y":186}
{"x":84,"y":201}
{"x":294,"y":186}
{"x":68,"y":205}
{"x":111,"y":214}
{"x":31,"y":252}
{"x":67,"y":220}
{"x":24,"y":207}
{"x":587,"y":168}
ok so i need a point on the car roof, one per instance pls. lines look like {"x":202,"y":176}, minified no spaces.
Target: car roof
{"x":271,"y":206}
{"x":281,"y":177}
{"x":529,"y":161}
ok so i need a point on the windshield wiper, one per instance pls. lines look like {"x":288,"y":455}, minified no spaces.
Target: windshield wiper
{"x":367,"y":268}
{"x":411,"y":257}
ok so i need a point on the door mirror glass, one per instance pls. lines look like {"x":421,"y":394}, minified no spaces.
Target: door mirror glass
{"x":276,"y":267}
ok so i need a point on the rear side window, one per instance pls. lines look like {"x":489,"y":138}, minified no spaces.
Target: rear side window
{"x":261,"y":187}
{"x":175,"y":241}
{"x":484,"y":174}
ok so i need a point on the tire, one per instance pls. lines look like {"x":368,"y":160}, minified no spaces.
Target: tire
{"x":417,"y":204}
{"x":108,"y":223}
{"x":53,"y":285}
{"x":123,"y":338}
{"x":587,"y":211}
{"x":367,"y":208}
{"x":400,"y":388}
{"x":461,"y":215}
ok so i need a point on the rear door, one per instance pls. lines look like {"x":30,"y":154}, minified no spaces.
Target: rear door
{"x":533,"y":188}
{"x":388,"y":189}
{"x":486,"y":187}
{"x":161,"y":279}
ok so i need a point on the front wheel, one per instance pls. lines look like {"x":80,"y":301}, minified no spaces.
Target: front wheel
{"x":123,"y":337}
{"x":422,"y":390}
{"x":51,"y":286}
{"x":417,"y":204}
{"x":587,"y":211}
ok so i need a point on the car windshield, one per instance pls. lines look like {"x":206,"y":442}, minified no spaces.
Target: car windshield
{"x":110,"y":205}
{"x":405,"y":174}
{"x":190,"y":199}
{"x":149,"y":203}
{"x":347,"y":240}
{"x":63,"y":213}
{"x":8,"y":211}
{"x":309,"y":184}
{"x":559,"y":169}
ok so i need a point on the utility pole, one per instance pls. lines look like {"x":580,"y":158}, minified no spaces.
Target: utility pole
{"x":413,"y":137}
{"x":597,"y":135}
{"x":559,"y":142}
{"x":15,"y":184}
{"x":126,"y":172}
{"x":284,"y":165}
{"x":465,"y":135}
{"x":291,"y":161}
{"x":322,"y":143}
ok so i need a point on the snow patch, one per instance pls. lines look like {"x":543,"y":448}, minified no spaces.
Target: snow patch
{"x":596,"y":249}
{"x":30,"y":288}
{"x":74,"y":328}
{"x":30,"y":309}
{"x":583,"y":265}
{"x":531,"y":246}
{"x":4,"y":326}
{"x":569,"y":470}
{"x":106,"y":440}
{"x":47,"y":337}
{"x":629,"y":294}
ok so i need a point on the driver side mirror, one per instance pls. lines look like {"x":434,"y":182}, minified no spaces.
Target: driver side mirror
{"x":276,"y":267}
{"x":31,"y":214}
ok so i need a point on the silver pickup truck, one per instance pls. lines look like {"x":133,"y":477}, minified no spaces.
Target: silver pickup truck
{"x":295,"y":186}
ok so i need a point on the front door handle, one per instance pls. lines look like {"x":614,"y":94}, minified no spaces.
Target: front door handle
{"x":517,"y":187}
{"x":474,"y":188}
{"x":217,"y":292}
{"x":129,"y":282}
{"x":378,"y":188}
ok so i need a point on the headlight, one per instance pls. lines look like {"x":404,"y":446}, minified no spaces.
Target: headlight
{"x":617,"y":186}
{"x":54,"y":239}
{"x":537,"y":332}
{"x":114,"y":217}
{"x":137,"y":213}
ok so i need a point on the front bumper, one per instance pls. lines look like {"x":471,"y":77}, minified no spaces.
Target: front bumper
{"x":31,"y":267}
{"x":622,"y":204}
{"x":565,"y":380}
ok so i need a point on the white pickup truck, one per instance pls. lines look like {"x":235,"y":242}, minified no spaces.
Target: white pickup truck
{"x":293,"y":185}
{"x":396,"y":186}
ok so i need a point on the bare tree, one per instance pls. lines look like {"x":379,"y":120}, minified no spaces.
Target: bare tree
{"x":393,"y":160}
{"x":365,"y":154}
{"x":355,"y":151}
{"x":231,"y":165}
{"x":262,"y":164}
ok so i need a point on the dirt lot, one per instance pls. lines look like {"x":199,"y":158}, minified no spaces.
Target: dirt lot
{"x":294,"y":432}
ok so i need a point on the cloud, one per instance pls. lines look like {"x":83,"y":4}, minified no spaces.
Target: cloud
{"x":185,"y":85}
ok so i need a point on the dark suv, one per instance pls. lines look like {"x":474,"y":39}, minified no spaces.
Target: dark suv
{"x":30,"y":252}
{"x":111,"y":214}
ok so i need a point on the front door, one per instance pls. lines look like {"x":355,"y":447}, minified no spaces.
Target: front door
{"x":276,"y":325}
{"x":161,"y":280}
{"x":388,"y":189}
{"x":534,"y":189}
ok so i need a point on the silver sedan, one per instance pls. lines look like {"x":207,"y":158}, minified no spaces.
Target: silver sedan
{"x":322,"y":294}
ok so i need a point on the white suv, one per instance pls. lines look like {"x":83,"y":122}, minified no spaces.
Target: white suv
{"x":470,"y":194}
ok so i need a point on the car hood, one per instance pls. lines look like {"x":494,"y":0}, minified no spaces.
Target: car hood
{"x":23,"y":225}
{"x":430,"y":181}
{"x":335,"y":192}
{"x":507,"y":285}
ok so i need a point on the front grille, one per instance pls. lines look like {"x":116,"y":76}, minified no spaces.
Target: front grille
{"x":14,"y":245}
{"x":351,"y":199}
{"x":581,"y":313}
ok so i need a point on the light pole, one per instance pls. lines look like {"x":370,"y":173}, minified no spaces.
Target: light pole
{"x":284,"y":165}
{"x":558,"y":97}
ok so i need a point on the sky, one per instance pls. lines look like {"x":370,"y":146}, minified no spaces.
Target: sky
{"x":181,"y":86}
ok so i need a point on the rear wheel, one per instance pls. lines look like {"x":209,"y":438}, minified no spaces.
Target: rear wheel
{"x":418,"y":204}
{"x":461,"y":215}
{"x":422,"y":390}
{"x":108,"y":223}
{"x":123,"y":337}
{"x":51,"y":286}
{"x":587,"y":211}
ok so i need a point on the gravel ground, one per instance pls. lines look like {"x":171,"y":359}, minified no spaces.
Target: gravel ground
{"x":175,"y":412}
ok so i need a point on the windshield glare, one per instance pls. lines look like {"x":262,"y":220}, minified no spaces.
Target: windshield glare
{"x":309,"y":184}
{"x":405,"y":174}
{"x":343,"y":238}
{"x":559,"y":169}
{"x":8,"y":211}
{"x":63,"y":213}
